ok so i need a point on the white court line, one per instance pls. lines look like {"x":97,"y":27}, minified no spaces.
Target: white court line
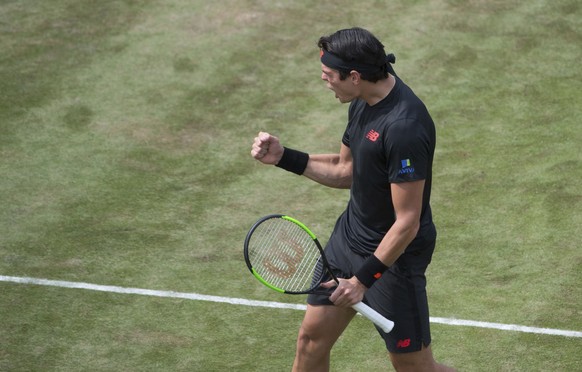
{"x":277,"y":305}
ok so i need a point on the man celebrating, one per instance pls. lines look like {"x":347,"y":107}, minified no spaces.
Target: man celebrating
{"x":383,"y":242}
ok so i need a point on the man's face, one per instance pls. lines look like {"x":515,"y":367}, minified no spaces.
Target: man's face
{"x":344,"y":89}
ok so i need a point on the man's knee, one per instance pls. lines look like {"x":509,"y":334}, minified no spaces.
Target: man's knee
{"x":312,"y":353}
{"x":312,"y":342}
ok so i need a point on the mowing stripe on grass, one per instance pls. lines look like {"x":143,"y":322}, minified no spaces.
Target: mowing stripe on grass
{"x":278,"y":305}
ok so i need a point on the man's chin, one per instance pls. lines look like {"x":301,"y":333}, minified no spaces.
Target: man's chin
{"x":342,"y":99}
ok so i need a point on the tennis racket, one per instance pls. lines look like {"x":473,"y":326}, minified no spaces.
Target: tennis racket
{"x":283,"y":254}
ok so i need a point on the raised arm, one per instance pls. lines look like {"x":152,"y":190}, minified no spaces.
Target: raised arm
{"x":333,"y":170}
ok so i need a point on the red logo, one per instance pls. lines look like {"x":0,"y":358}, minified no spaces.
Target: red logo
{"x":373,"y":135}
{"x":401,"y":344}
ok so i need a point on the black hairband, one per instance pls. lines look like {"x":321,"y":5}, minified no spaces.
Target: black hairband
{"x":333,"y":61}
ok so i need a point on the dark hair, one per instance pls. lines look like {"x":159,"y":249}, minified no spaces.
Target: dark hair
{"x":360,"y":46}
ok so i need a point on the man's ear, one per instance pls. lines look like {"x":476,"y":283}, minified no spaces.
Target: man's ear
{"x":355,"y":77}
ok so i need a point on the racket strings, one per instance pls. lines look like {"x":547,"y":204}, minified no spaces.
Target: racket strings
{"x":285,"y":255}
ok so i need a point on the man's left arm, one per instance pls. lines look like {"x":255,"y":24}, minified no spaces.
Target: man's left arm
{"x":407,"y":201}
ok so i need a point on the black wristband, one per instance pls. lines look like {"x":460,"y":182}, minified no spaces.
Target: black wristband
{"x":293,"y":161}
{"x":371,"y":271}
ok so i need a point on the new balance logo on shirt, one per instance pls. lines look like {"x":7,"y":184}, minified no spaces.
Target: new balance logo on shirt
{"x":373,"y":135}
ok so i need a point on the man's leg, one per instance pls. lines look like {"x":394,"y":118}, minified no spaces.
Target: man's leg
{"x":320,"y":329}
{"x":421,"y":361}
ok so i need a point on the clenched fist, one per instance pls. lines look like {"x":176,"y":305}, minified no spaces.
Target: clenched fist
{"x":267,"y":149}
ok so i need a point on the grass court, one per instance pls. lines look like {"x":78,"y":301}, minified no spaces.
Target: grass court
{"x":125,"y":133}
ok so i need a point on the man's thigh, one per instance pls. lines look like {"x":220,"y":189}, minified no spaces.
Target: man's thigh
{"x":323,"y":323}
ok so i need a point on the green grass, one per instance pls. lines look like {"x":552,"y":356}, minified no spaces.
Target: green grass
{"x":125,"y":132}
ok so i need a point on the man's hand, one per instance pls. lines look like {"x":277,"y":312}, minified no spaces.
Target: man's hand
{"x":267,"y":149}
{"x":348,"y":291}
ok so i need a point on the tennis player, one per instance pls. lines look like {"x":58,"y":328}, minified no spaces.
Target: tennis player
{"x":383,"y":242}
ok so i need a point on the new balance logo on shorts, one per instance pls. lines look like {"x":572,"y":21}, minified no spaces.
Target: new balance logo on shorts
{"x":403,"y":344}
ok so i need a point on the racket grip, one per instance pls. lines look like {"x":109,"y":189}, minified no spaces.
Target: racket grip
{"x":374,"y":316}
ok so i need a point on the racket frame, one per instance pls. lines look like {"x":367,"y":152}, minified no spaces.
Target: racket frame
{"x":313,"y":289}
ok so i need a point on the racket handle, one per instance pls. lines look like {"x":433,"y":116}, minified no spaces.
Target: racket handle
{"x":385,"y":324}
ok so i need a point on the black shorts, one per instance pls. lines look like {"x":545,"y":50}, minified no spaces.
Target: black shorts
{"x":399,"y":295}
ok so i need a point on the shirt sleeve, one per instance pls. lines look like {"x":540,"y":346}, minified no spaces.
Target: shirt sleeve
{"x":346,"y":136}
{"x":408,"y":148}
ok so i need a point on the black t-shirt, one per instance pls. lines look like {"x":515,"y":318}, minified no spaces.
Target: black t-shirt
{"x":391,"y":142}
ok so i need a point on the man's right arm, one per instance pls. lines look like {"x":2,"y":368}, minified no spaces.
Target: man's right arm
{"x":332,"y":170}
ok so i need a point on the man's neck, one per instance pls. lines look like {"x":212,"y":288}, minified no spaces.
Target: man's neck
{"x":375,"y":92}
